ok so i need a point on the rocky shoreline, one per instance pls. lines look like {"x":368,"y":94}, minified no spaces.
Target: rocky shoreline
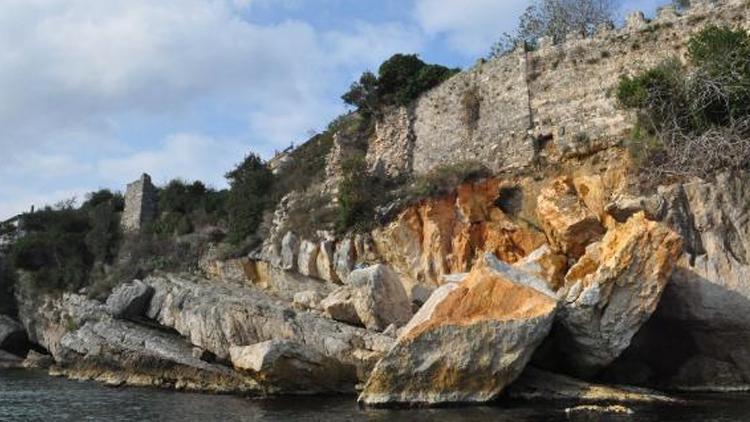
{"x":477,"y":336}
{"x":559,"y":276}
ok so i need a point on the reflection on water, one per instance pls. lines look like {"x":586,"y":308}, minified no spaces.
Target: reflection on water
{"x":33,"y":396}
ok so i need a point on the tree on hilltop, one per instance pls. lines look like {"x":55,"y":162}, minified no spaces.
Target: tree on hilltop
{"x":555,"y":19}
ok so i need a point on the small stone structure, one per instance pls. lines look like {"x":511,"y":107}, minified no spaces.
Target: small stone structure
{"x":140,"y":205}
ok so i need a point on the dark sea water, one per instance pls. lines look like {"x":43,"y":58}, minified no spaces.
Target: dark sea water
{"x":34,"y":396}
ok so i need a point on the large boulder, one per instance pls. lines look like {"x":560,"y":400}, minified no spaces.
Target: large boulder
{"x":307,"y":259}
{"x":613,"y":290}
{"x":379,"y":297}
{"x":308,"y":299}
{"x":466,"y":344}
{"x":339,"y":305}
{"x":283,"y":366}
{"x":343,"y":258}
{"x":13,"y":336}
{"x":570,"y":226}
{"x":324,"y":262}
{"x":289,"y":251}
{"x":38,"y":360}
{"x":129,"y":300}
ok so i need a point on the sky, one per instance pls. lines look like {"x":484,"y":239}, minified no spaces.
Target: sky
{"x":95,"y":92}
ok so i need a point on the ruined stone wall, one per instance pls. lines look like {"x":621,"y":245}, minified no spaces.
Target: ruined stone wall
{"x":562,"y":94}
{"x":141,"y":200}
{"x":390,"y":151}
{"x":481,"y":114}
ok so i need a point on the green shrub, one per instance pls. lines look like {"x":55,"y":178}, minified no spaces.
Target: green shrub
{"x":401,"y":79}
{"x":662,"y":84}
{"x":355,"y":196}
{"x":7,"y":284}
{"x":249,"y":195}
{"x":694,"y":120}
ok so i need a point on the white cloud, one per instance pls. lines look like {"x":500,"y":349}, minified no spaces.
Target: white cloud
{"x":80,"y":77}
{"x":186,"y":156}
{"x":469,"y":26}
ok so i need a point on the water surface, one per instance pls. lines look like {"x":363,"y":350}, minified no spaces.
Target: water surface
{"x":34,"y":396}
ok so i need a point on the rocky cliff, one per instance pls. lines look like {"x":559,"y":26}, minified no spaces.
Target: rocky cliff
{"x":558,"y":260}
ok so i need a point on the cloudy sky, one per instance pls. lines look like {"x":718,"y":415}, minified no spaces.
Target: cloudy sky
{"x":95,"y":92}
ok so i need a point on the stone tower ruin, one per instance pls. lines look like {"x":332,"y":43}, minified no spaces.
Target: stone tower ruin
{"x":140,"y":205}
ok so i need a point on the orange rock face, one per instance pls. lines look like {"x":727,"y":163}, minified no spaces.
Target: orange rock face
{"x":570,"y":225}
{"x":447,"y":235}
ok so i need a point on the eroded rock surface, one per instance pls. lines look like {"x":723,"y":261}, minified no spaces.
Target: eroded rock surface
{"x":217,"y":316}
{"x":129,"y":300}
{"x":13,"y":337}
{"x":289,"y":367}
{"x":612,"y":290}
{"x":570,"y":225}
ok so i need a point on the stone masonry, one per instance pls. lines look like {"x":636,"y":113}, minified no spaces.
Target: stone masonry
{"x":556,"y":102}
{"x":140,"y":205}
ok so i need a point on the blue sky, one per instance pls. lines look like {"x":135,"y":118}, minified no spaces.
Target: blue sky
{"x":95,"y":92}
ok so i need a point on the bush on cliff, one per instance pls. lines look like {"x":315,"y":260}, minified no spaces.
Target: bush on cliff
{"x":694,"y":119}
{"x":7,"y":283}
{"x":54,"y":248}
{"x":250,"y":191}
{"x":355,"y":197}
{"x":186,"y":206}
{"x":400,"y":80}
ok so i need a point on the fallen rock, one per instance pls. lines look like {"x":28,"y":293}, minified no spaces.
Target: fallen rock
{"x":324,"y":262}
{"x":289,"y":251}
{"x":288,"y":367}
{"x":38,"y":360}
{"x":379,"y":297}
{"x":570,"y":226}
{"x":623,"y":206}
{"x":307,"y":259}
{"x":13,"y":337}
{"x":339,"y":305}
{"x":699,"y":336}
{"x":612,"y":290}
{"x":536,"y":384}
{"x":129,"y":300}
{"x":343,"y":258}
{"x":465,"y":345}
{"x":309,"y":299}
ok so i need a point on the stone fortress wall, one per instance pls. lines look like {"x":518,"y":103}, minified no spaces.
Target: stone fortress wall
{"x":557,"y":101}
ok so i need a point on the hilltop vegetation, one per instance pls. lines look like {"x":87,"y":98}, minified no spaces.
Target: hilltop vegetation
{"x":694,"y":119}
